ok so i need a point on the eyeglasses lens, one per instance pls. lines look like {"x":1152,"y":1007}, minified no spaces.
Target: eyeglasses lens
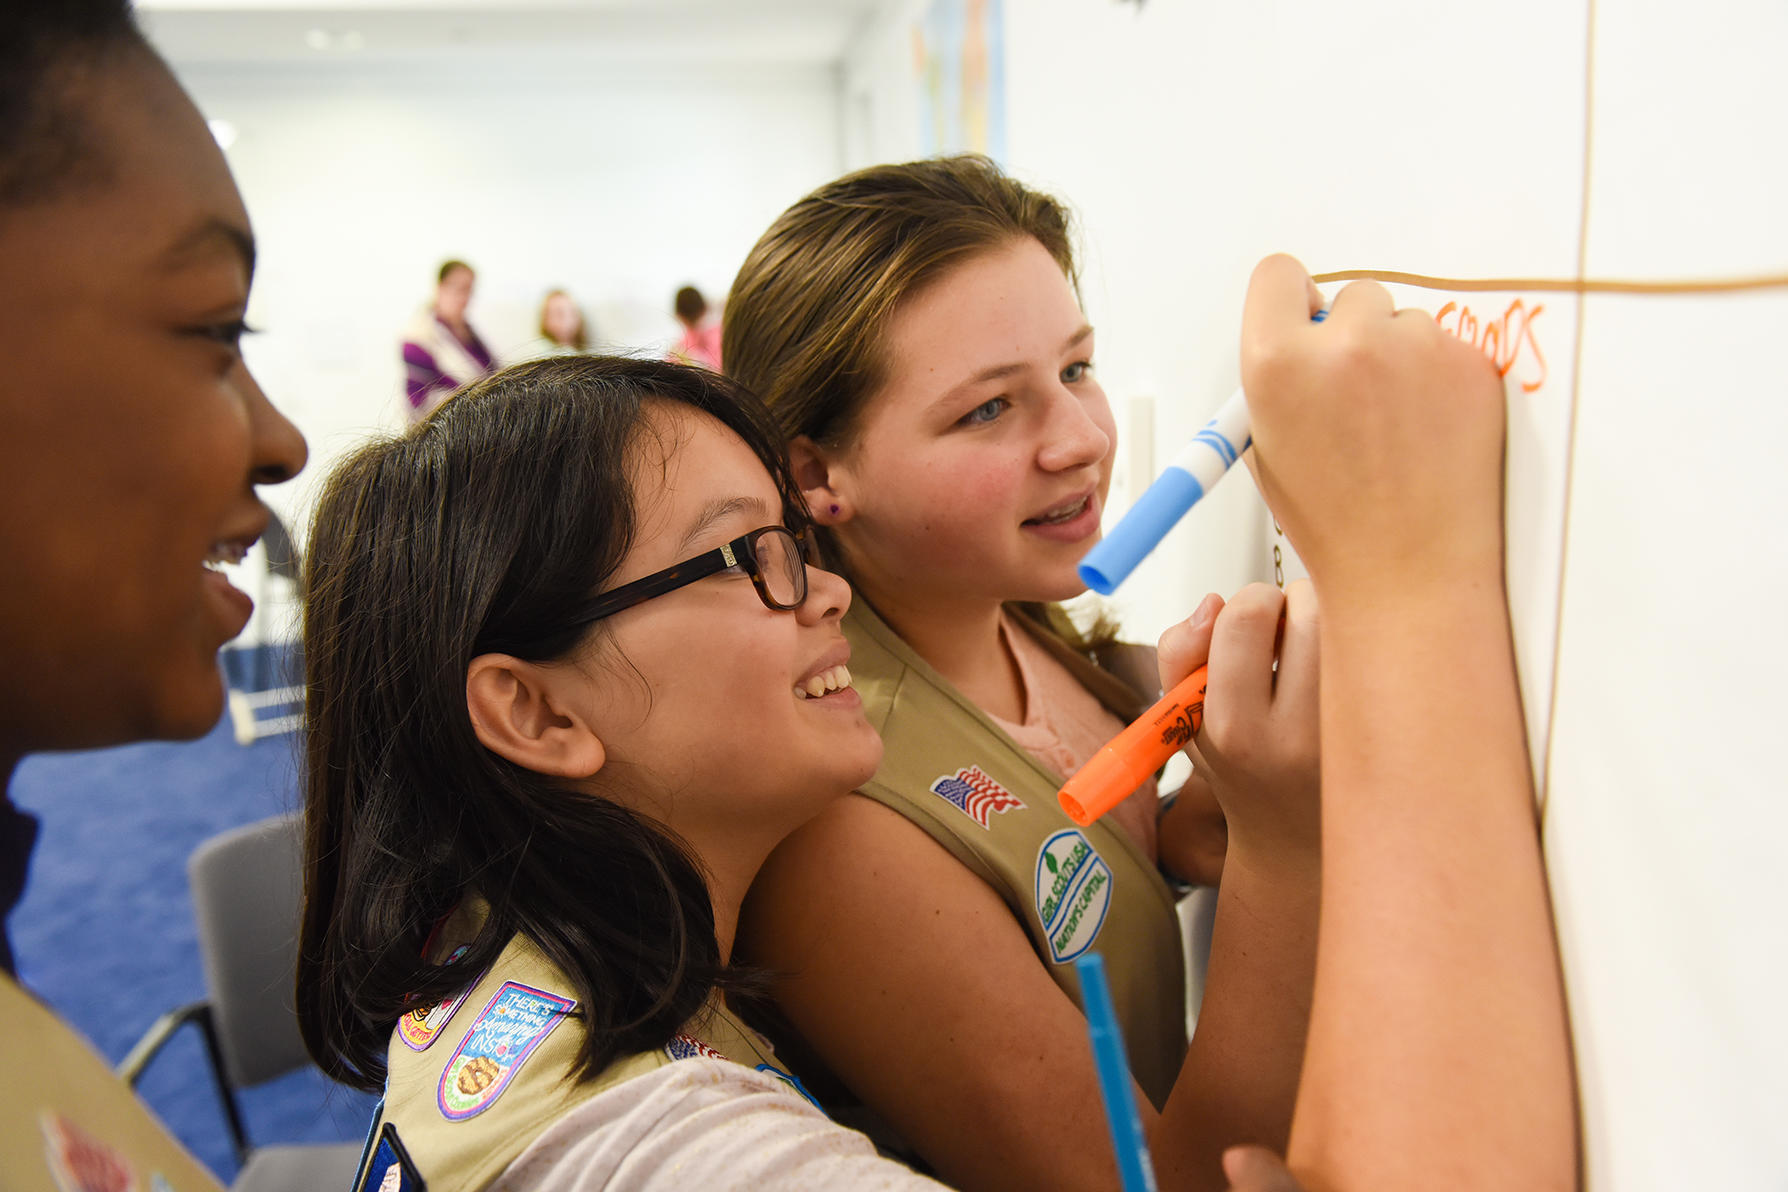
{"x":785,"y":573}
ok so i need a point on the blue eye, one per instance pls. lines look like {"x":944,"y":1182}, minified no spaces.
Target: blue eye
{"x":1077,"y":372}
{"x":984,"y":413}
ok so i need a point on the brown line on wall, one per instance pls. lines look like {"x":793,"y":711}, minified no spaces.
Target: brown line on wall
{"x":1587,"y":285}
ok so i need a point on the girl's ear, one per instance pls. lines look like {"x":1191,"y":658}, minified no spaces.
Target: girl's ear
{"x":823,"y":481}
{"x":523,"y":711}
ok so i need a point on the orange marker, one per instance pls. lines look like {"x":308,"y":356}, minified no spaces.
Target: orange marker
{"x":1132,"y":757}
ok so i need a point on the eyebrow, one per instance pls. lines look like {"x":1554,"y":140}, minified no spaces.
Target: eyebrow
{"x":1000,"y":371}
{"x":210,"y":234}
{"x":717,"y":509}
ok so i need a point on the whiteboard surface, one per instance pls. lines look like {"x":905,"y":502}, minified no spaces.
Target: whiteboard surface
{"x":1646,"y":556}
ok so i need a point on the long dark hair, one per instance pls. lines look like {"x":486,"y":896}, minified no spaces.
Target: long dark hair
{"x":485,"y":523}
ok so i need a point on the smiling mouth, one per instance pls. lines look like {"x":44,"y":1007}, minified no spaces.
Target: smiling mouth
{"x":225,"y":552}
{"x":1064,"y":513}
{"x":833,"y":678}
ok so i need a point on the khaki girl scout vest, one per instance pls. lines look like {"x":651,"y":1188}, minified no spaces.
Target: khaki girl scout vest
{"x":950,"y":770}
{"x":67,"y":1122}
{"x":476,"y":1079}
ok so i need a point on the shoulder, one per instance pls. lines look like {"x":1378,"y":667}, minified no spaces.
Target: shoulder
{"x":702,"y":1123}
{"x":851,"y":848}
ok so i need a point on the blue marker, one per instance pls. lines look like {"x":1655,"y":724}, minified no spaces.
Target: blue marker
{"x":1188,"y":477}
{"x":1127,"y":1139}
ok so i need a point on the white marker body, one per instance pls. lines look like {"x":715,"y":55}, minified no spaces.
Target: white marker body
{"x":1215,"y":448}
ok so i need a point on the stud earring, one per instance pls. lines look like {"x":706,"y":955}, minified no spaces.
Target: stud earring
{"x":834,"y":511}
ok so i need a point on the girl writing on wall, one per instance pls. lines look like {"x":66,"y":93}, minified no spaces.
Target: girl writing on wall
{"x":917,"y":333}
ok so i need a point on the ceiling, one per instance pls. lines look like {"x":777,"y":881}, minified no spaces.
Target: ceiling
{"x":254,"y":32}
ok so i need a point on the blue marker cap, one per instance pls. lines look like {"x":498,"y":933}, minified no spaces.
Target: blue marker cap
{"x":1110,"y":562}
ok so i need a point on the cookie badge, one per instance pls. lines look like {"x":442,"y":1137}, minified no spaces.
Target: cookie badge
{"x":512,"y":1024}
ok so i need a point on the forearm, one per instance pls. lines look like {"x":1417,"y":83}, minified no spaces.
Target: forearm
{"x":1240,"y":1078}
{"x":1438,"y":1049}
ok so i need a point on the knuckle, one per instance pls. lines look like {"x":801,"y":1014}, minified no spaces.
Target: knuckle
{"x":1301,"y":604}
{"x":1254,"y":604}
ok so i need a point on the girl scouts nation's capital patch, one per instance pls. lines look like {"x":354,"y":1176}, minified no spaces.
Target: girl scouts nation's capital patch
{"x":977,"y":796}
{"x":502,"y":1037}
{"x":1073,"y":893}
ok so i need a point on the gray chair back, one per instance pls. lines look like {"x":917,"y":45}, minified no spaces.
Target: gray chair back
{"x":245,"y":892}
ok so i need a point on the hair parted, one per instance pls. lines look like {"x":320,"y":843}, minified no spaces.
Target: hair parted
{"x":48,"y":49}
{"x":486,"y":523}
{"x":808,"y":315}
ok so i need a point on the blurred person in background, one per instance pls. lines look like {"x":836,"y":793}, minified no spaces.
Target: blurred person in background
{"x":441,"y":352}
{"x":563,"y":330}
{"x":701,"y":339}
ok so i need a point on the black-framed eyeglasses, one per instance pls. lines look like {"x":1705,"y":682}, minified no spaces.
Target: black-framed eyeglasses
{"x":775,"y":557}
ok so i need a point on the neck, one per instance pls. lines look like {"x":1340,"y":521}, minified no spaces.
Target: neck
{"x":730,"y":864}
{"x":962,"y":641}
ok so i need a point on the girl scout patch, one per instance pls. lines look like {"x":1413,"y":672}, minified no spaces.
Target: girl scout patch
{"x":685,"y":1047}
{"x":502,"y":1037}
{"x":1073,"y":893}
{"x":79,"y":1162}
{"x":391,"y":1168}
{"x":977,"y":796}
{"x":419,"y":1027}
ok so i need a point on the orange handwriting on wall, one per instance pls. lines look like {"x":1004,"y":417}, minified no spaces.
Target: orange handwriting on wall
{"x":1502,"y":339}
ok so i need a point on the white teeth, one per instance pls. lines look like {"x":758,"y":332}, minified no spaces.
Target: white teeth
{"x":834,"y":678}
{"x":1065,"y":513}
{"x":225,"y":552}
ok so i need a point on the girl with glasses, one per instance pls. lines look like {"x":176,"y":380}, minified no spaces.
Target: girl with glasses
{"x":570,"y":679}
{"x":917,"y":332}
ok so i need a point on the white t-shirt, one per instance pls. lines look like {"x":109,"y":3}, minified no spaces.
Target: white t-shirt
{"x":705,"y":1124}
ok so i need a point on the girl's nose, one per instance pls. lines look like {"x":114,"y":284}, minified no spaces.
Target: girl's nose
{"x":1076,"y":438}
{"x":828,"y":596}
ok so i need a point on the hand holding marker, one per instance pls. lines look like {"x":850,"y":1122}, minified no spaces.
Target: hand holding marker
{"x":1187,"y":478}
{"x":1134,"y":754}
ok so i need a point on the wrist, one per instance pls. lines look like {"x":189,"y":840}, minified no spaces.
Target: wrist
{"x":1360,"y":599}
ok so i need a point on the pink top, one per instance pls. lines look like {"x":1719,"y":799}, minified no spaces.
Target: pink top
{"x":699,"y":345}
{"x":1065,"y":724}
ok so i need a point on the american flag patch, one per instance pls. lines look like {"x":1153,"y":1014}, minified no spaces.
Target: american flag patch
{"x":687,"y":1047}
{"x":975,"y":794}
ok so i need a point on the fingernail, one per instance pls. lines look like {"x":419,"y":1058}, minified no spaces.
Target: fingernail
{"x":1207,"y":608}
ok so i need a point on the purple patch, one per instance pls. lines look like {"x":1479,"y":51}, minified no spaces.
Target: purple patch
{"x":511,"y":1025}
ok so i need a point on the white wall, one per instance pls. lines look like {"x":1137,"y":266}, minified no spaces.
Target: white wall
{"x":617,"y":183}
{"x":1645,"y":558}
{"x":1089,"y":87}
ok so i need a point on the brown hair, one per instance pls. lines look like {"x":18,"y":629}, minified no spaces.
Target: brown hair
{"x":690,"y":305}
{"x":809,"y":312}
{"x":808,"y":316}
{"x":581,"y":339}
